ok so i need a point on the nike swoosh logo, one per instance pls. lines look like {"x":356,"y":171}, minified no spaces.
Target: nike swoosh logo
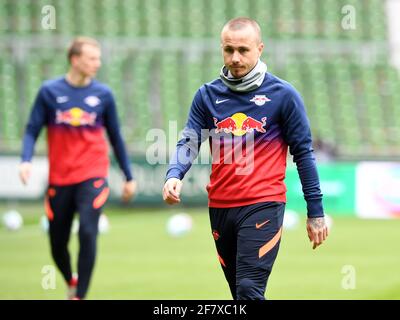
{"x":259,"y":225}
{"x":220,"y":101}
{"x":62,"y":99}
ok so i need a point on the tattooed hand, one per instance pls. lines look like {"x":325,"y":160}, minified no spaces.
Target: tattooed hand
{"x":317,"y":230}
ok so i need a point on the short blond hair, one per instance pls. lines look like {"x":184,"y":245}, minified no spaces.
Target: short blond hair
{"x":241,"y":23}
{"x":75,"y":48}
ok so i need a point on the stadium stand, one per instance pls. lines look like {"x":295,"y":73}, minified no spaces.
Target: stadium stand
{"x":157,"y":53}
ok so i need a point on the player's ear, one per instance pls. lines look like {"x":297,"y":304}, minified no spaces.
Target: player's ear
{"x":260,"y":49}
{"x":72,"y":61}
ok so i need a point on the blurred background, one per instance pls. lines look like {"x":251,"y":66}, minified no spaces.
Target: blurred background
{"x":343,"y":56}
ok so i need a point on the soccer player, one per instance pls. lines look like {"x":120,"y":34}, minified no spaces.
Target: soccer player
{"x":76,"y":109}
{"x":250,"y":117}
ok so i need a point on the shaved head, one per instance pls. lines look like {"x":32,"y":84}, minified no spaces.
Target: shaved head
{"x":243,"y":23}
{"x":241,"y":45}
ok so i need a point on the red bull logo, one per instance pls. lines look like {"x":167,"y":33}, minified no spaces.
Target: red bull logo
{"x":240,"y":124}
{"x":260,"y":100}
{"x":227,"y":125}
{"x":251,"y":124}
{"x":76,"y":117}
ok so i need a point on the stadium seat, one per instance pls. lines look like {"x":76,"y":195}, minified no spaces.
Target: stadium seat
{"x":217,"y":14}
{"x":10,"y":109}
{"x":33,"y":78}
{"x":170,"y":107}
{"x":86,"y":18}
{"x":65,"y":20}
{"x":131,"y":18}
{"x":4,"y":18}
{"x":108,"y":13}
{"x":21,"y":17}
{"x":239,"y":8}
{"x":152,"y":18}
{"x":141,"y":92}
{"x":330,"y":18}
{"x":194,"y":65}
{"x":174,"y":19}
{"x":263,"y":11}
{"x":377,"y":25}
{"x":286,"y":21}
{"x":307,"y":17}
{"x":3,"y":137}
{"x":196,"y":19}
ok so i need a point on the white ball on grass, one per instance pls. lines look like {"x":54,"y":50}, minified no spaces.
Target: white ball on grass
{"x":104,"y":224}
{"x":179,"y":224}
{"x":13,"y":220}
{"x":290,"y":219}
{"x":44,"y":223}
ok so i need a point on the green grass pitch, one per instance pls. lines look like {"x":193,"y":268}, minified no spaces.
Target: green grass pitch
{"x":137,"y":259}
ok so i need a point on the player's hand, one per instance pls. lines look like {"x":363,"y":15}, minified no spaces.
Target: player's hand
{"x":25,"y":169}
{"x":172,"y":190}
{"x":129,"y":190}
{"x":317,"y":231}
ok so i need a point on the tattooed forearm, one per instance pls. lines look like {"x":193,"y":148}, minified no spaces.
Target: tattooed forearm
{"x":316,"y":223}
